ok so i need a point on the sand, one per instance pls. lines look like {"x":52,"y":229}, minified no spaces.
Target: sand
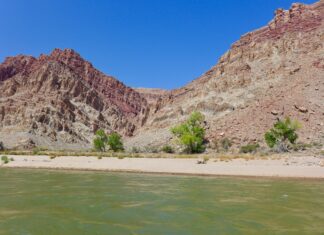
{"x":296,"y":167}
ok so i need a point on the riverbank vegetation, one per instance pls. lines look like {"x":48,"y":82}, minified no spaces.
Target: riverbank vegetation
{"x":282,"y":135}
{"x":1,"y":146}
{"x":103,"y":141}
{"x":191,"y":133}
{"x":212,"y":156}
{"x":6,"y":159}
{"x":190,"y":143}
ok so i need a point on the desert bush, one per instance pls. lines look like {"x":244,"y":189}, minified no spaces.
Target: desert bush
{"x":115,"y":142}
{"x":206,"y":159}
{"x":249,"y":148}
{"x":300,"y":146}
{"x":151,"y":149}
{"x":282,"y":133}
{"x":167,"y":149}
{"x":38,"y":150}
{"x":317,"y":144}
{"x":35,"y":151}
{"x":226,"y":143}
{"x":5,"y":159}
{"x":100,"y":140}
{"x":263,"y":153}
{"x":53,"y":155}
{"x":223,"y":144}
{"x":191,"y":133}
{"x":214,"y":144}
{"x":1,"y":146}
{"x":135,"y":150}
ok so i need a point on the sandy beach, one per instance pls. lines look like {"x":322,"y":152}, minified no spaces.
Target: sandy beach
{"x":295,"y":167}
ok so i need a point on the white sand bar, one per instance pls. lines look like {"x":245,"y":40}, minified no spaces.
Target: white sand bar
{"x":297,"y":167}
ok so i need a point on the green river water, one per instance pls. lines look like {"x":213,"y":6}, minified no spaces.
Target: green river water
{"x":59,"y":202}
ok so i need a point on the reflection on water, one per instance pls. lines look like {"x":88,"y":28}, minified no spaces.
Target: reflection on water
{"x":59,"y":202}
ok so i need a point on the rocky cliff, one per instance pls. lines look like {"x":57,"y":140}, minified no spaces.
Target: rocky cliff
{"x":60,"y":100}
{"x":273,"y":72}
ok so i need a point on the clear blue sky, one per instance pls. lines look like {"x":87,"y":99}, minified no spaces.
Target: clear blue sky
{"x":143,"y":43}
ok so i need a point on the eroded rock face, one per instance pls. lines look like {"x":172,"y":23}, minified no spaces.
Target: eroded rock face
{"x":273,"y":68}
{"x":61,"y":99}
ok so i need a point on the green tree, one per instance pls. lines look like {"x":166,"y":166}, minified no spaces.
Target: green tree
{"x":282,"y":133}
{"x":115,"y":142}
{"x":100,"y":141}
{"x":191,"y":133}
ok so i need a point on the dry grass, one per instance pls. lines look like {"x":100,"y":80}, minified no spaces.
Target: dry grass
{"x":214,"y":156}
{"x":246,"y":157}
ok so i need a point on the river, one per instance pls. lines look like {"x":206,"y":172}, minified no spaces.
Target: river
{"x":47,"y":202}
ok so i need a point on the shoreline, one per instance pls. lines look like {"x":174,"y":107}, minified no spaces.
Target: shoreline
{"x":307,"y":167}
{"x":278,"y":177}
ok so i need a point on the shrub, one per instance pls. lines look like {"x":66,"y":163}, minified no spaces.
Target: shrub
{"x":151,"y":149}
{"x":191,"y":133}
{"x":214,"y":144}
{"x":206,"y":159}
{"x":300,"y":146}
{"x":35,"y":151}
{"x":249,"y":148}
{"x":1,"y":146}
{"x":100,"y":141}
{"x":115,"y":142}
{"x":226,"y":143}
{"x":221,"y":144}
{"x":38,"y":150}
{"x":136,"y":156}
{"x":282,"y":133}
{"x":5,"y":159}
{"x":135,"y":150}
{"x":53,"y":156}
{"x":167,"y":149}
{"x":317,"y":144}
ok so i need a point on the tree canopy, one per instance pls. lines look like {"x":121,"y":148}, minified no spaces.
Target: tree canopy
{"x":191,"y":133}
{"x":282,"y":133}
{"x":102,"y":140}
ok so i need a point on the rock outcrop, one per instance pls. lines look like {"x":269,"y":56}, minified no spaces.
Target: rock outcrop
{"x":277,"y":67}
{"x":60,"y":100}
